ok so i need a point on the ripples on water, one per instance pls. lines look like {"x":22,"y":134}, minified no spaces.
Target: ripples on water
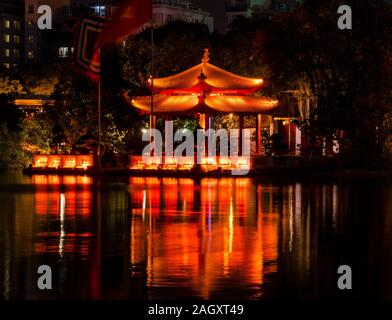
{"x":235,"y":238}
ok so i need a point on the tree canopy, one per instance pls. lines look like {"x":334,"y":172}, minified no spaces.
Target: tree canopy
{"x":340,"y":79}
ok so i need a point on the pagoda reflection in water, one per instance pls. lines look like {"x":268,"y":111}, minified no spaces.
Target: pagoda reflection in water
{"x":168,"y":237}
{"x":203,"y":236}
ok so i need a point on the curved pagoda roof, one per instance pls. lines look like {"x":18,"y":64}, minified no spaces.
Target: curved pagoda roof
{"x":212,"y":104}
{"x":205,"y":88}
{"x":219,"y":80}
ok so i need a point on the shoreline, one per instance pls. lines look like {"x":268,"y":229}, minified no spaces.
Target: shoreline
{"x":278,"y":172}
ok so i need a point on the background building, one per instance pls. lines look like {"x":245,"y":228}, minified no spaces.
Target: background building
{"x":57,"y":45}
{"x":11,"y":33}
{"x":256,"y":8}
{"x":44,"y":45}
{"x":165,"y":11}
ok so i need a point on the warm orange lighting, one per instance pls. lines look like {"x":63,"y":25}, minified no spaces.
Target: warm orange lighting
{"x":216,"y":77}
{"x":70,"y":163}
{"x":219,"y":103}
{"x":208,"y":241}
{"x":54,"y":162}
{"x":225,"y":163}
{"x":170,"y":161}
{"x":163,"y":103}
{"x":205,"y":85}
{"x":84,"y":161}
{"x":243,"y":163}
{"x":186,"y":163}
{"x":209,"y":161}
{"x":40,"y":161}
{"x":154,"y":161}
{"x":208,"y":164}
{"x":63,"y":161}
{"x":85,"y":164}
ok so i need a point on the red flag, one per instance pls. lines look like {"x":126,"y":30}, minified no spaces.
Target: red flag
{"x":94,"y":34}
{"x":126,"y":20}
{"x":88,"y":34}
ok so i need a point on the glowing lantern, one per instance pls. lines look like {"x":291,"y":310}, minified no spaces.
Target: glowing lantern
{"x":209,"y":163}
{"x":243,"y":163}
{"x":54,"y":162}
{"x":63,"y":161}
{"x":186,"y":163}
{"x":40,"y":161}
{"x":69,"y":163}
{"x":170,"y":163}
{"x":84,"y":162}
{"x":225,"y":163}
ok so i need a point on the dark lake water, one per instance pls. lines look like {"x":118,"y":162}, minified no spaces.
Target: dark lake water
{"x":169,"y":238}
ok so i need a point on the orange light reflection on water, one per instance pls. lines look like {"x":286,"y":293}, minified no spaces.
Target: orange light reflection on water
{"x":66,"y":206}
{"x":172,"y":237}
{"x":191,"y":235}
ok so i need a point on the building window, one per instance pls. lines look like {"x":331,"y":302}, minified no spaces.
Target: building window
{"x":17,"y":53}
{"x":169,"y":18}
{"x":99,"y":10}
{"x":31,"y":8}
{"x":16,"y":39}
{"x":7,"y":24}
{"x":6,"y":38}
{"x":6,"y":53}
{"x":30,"y":39}
{"x":30,"y":23}
{"x":30,"y":55}
{"x":16,"y":25}
{"x":63,"y":52}
{"x":6,"y":65}
{"x":284,"y":7}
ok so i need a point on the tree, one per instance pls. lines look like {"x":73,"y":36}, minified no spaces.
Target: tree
{"x":348,"y":72}
{"x":9,"y":89}
{"x":177,"y":46}
{"x":41,"y":80}
{"x":33,"y":135}
{"x":11,"y":154}
{"x":36,"y":134}
{"x":75,"y":109}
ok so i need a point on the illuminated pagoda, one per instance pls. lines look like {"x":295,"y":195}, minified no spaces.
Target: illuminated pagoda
{"x":206,"y":90}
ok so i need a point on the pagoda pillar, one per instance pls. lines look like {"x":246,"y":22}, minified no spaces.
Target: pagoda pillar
{"x":241,"y":135}
{"x":168,"y":136}
{"x":207,"y":120}
{"x":258,"y":134}
{"x":153,"y":122}
{"x":153,"y":125}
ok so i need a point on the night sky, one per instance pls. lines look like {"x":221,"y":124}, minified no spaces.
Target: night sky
{"x":217,"y":9}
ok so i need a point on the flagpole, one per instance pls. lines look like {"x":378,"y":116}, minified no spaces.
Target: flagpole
{"x":99,"y":114}
{"x":99,"y":101}
{"x":152,"y":79}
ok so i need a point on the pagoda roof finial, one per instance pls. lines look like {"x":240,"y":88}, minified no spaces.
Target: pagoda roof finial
{"x":206,"y":57}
